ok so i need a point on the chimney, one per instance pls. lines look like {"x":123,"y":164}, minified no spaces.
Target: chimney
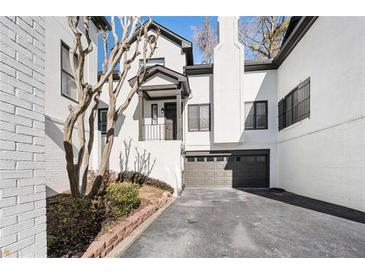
{"x":228,"y":112}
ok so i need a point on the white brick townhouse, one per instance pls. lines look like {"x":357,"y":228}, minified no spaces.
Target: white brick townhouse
{"x":294,"y":122}
{"x":34,"y":95}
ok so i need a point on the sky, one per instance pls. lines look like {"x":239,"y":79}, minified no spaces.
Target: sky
{"x":182,"y":25}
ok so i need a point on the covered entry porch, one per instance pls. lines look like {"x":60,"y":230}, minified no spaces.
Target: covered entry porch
{"x":160,"y":104}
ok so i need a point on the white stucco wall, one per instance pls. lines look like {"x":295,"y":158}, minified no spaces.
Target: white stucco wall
{"x":323,"y":156}
{"x":260,"y":85}
{"x":167,"y":154}
{"x":228,"y":83}
{"x":56,"y":110}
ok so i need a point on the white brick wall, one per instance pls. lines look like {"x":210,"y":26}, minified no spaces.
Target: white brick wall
{"x":22,"y":135}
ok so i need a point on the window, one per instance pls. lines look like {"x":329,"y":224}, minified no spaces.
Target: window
{"x":152,"y":62}
{"x":68,"y":85}
{"x":295,"y":106}
{"x":199,"y":117}
{"x":154,"y":114}
{"x":102,"y":120}
{"x":256,"y":115}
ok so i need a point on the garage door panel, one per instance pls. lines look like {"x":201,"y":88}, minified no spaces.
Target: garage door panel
{"x":235,"y":171}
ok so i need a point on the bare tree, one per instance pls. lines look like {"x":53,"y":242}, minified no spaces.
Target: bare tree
{"x":205,"y":38}
{"x":134,"y":31}
{"x":263,"y":35}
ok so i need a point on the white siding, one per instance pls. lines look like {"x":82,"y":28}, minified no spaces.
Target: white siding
{"x":57,"y":29}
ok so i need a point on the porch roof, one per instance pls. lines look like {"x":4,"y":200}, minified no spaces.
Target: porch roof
{"x":162,"y":83}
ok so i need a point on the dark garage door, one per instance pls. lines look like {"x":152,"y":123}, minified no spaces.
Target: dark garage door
{"x":239,"y":169}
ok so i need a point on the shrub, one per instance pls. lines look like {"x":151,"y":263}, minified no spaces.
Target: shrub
{"x":122,"y":199}
{"x":72,"y":223}
{"x":139,"y":178}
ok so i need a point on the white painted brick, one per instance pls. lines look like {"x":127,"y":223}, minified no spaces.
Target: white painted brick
{"x":16,"y":155}
{"x":18,"y":191}
{"x":32,"y":214}
{"x":39,"y":77}
{"x":7,"y":107}
{"x":39,"y":109}
{"x":6,"y":164}
{"x":17,"y":209}
{"x":15,"y":119}
{"x":18,"y":245}
{"x":29,"y":63}
{"x":29,"y":97}
{"x":16,"y":174}
{"x":7,"y":126}
{"x":6,"y":88}
{"x":28,"y":252}
{"x":7,"y":32}
{"x":5,"y":202}
{"x":32,"y":181}
{"x":7,"y":145}
{"x":41,"y":228}
{"x":39,"y":141}
{"x":15,"y":45}
{"x":8,"y":240}
{"x":6,"y":69}
{"x":40,"y":203}
{"x":15,"y":64}
{"x":30,"y":148}
{"x":22,"y":134}
{"x":40,"y":220}
{"x":6,"y":50}
{"x":20,"y":138}
{"x":9,"y":221}
{"x":29,"y":165}
{"x":38,"y":157}
{"x":39,"y":172}
{"x":38,"y":92}
{"x":16,"y":228}
{"x":15,"y":83}
{"x":39,"y":125}
{"x":7,"y":183}
{"x":31,"y":197}
{"x":29,"y":114}
{"x":41,"y":251}
{"x":30,"y":30}
{"x":40,"y":189}
{"x":15,"y":101}
{"x":32,"y":81}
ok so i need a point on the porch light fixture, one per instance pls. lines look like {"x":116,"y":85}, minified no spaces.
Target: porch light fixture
{"x":162,"y":110}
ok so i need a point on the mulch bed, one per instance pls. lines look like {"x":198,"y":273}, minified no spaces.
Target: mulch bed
{"x":71,"y":231}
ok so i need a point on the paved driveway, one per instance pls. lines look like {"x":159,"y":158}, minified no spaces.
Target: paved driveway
{"x":234,"y":223}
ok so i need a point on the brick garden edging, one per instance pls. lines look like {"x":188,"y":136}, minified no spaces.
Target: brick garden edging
{"x":101,"y":246}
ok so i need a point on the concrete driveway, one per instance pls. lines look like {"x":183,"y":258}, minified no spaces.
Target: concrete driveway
{"x":234,"y":223}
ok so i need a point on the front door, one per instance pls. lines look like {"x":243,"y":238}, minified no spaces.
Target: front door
{"x":170,"y":121}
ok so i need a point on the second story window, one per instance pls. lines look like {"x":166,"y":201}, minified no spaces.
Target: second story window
{"x":256,"y":115}
{"x":102,"y":120}
{"x":295,"y":106}
{"x":152,"y":62}
{"x":68,"y":85}
{"x":199,"y":117}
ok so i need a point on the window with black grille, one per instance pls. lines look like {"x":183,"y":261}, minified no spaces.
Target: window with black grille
{"x":295,"y":106}
{"x":256,"y":115}
{"x":102,"y":120}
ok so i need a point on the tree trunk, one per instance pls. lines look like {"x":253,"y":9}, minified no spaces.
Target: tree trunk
{"x":86,"y":156}
{"x":111,"y":119}
{"x":69,"y":155}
